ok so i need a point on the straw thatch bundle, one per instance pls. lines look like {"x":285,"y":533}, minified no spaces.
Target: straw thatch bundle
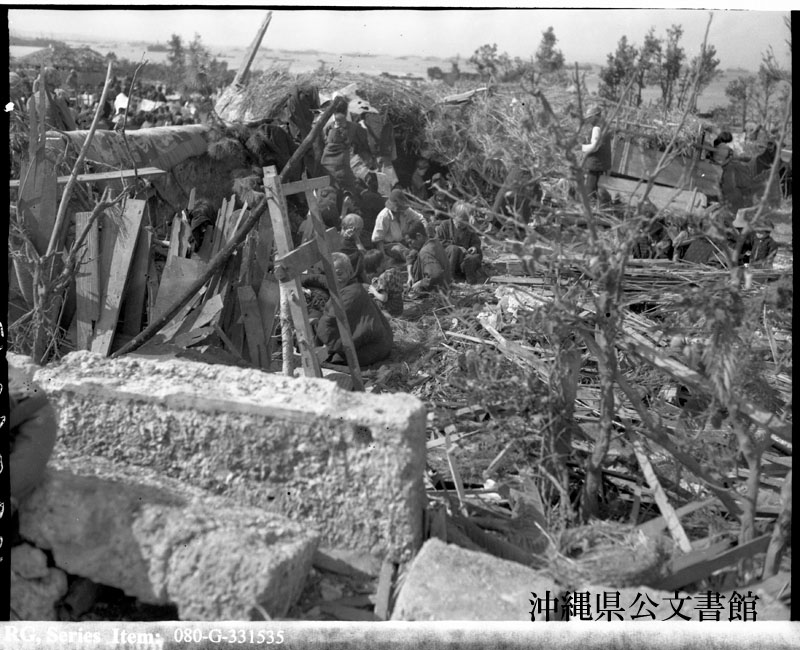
{"x":609,"y":554}
{"x":404,"y":106}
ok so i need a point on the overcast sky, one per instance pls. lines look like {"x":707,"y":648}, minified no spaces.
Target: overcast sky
{"x":740,"y":35}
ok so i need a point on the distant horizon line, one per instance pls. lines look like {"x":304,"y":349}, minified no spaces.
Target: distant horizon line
{"x":453,"y":58}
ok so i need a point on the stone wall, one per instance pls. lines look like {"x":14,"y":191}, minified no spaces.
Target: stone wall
{"x":349,"y":465}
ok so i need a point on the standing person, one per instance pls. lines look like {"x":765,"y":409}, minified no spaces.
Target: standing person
{"x":391,"y":225}
{"x":461,"y":243}
{"x":371,"y":333}
{"x":597,"y":152}
{"x":341,"y":139}
{"x":429,"y":266}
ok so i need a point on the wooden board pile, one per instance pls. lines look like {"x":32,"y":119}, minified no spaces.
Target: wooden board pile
{"x":236,"y":305}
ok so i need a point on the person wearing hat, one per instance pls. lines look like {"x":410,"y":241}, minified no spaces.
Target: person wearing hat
{"x":597,"y":152}
{"x":391,"y":225}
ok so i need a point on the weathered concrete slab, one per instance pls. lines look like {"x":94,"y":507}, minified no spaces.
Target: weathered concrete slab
{"x":163,"y":543}
{"x":449,"y":583}
{"x":350,"y":464}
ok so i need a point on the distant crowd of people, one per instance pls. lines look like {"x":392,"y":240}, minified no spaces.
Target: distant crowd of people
{"x":71,"y":105}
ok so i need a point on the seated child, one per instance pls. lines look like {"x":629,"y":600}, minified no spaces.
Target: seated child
{"x":352,"y":225}
{"x":429,"y":266}
{"x":386,"y":282}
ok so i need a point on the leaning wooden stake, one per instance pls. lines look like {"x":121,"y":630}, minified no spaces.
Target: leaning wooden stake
{"x":252,"y":219}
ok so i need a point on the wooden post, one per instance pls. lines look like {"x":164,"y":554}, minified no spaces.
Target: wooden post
{"x":338,"y":306}
{"x":291,"y":290}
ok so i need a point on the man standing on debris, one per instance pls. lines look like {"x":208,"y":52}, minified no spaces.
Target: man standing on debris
{"x":597,"y":152}
{"x":461,"y":243}
{"x":341,"y":138}
{"x":370,"y":330}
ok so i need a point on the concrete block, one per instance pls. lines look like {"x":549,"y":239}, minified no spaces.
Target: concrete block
{"x":165,"y":543}
{"x":449,"y":583}
{"x":349,"y":464}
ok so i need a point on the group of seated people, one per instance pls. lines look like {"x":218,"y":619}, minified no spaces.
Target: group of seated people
{"x":385,"y":256}
{"x":684,"y":239}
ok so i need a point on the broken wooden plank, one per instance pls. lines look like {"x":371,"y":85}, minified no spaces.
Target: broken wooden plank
{"x":654,"y":526}
{"x":209,"y":311}
{"x":382,"y":598}
{"x":697,"y":565}
{"x":128,"y":234}
{"x":178,"y":275}
{"x":194,"y":336}
{"x":347,"y":613}
{"x":135,"y":293}
{"x":87,"y":283}
{"x":662,"y":197}
{"x":633,"y":160}
{"x":339,"y":312}
{"x":251,"y":317}
{"x":120,"y":175}
{"x":305,"y":185}
{"x":294,"y":263}
{"x":178,"y":321}
{"x":152,"y":287}
{"x":667,"y":511}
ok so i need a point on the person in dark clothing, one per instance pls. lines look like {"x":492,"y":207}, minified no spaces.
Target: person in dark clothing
{"x":342,"y":138}
{"x":370,"y":330}
{"x":765,"y":159}
{"x":430,"y":267}
{"x":461,"y":243}
{"x":597,"y":152}
{"x":763,"y":248}
{"x":33,"y":427}
{"x":370,"y":204}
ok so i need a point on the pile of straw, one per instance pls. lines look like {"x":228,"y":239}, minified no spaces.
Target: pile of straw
{"x":606,"y":553}
{"x":405,"y":106}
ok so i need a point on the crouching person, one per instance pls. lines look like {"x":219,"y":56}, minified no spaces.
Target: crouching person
{"x":429,"y":266}
{"x":462,"y":244}
{"x":33,"y":427}
{"x":369,"y":328}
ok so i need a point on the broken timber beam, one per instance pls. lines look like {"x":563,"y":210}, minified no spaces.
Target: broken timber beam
{"x":121,"y":175}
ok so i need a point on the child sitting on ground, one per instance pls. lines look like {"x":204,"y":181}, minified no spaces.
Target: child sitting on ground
{"x":352,"y":225}
{"x":428,"y":262}
{"x":386,"y":282}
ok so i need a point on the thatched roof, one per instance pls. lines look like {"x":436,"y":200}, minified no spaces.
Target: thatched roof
{"x":404,"y":105}
{"x":65,"y":58}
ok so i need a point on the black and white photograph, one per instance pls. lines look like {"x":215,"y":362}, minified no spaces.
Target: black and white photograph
{"x":409,"y":326}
